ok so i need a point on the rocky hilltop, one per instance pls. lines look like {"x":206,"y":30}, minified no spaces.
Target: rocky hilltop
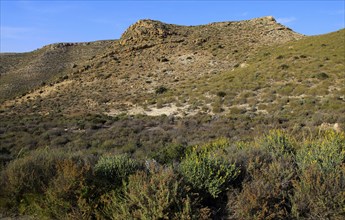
{"x":148,"y":54}
{"x":265,"y":29}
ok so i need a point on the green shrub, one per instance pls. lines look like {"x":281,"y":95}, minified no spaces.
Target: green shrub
{"x":206,"y":172}
{"x":278,"y":143}
{"x":116,"y":169}
{"x":154,"y":195}
{"x":320,"y":191}
{"x":31,"y":173}
{"x":326,"y":153}
{"x":170,"y":153}
{"x":212,"y":146}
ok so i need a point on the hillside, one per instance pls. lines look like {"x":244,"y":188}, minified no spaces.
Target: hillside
{"x":23,"y":72}
{"x":230,"y":120}
{"x":228,"y":79}
{"x":149,"y":54}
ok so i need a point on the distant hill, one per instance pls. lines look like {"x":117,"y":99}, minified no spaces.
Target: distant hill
{"x":234,"y":78}
{"x":149,"y":53}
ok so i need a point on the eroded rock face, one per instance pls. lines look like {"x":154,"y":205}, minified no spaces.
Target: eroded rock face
{"x":146,"y":30}
{"x":64,"y":45}
{"x":266,"y":19}
{"x":151,"y":32}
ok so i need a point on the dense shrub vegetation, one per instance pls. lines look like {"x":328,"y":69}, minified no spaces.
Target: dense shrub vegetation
{"x":276,"y":176}
{"x":207,"y":173}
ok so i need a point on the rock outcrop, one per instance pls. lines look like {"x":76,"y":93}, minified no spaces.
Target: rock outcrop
{"x":147,"y":30}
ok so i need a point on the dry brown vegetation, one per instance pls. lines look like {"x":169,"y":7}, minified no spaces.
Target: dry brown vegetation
{"x":158,"y":92}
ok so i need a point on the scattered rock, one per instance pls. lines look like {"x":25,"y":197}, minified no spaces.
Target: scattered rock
{"x":244,"y":65}
{"x":326,"y":126}
{"x":146,"y":30}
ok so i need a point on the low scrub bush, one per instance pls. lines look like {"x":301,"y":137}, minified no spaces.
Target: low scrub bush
{"x":153,"y":195}
{"x":320,"y":76}
{"x":115,"y":169}
{"x":221,"y":94}
{"x":267,"y":193}
{"x":206,"y":172}
{"x":31,"y":173}
{"x":278,"y":143}
{"x":319,"y":195}
{"x":326,"y":153}
{"x":69,"y":195}
{"x":272,"y":177}
{"x":161,"y":90}
{"x":217,"y":106}
{"x":170,"y":154}
{"x":320,"y":191}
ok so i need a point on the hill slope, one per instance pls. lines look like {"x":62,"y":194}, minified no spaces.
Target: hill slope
{"x":23,"y":72}
{"x":230,"y":79}
{"x":80,"y":120}
{"x":149,"y":51}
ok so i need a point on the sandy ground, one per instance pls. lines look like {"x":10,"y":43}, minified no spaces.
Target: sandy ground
{"x":168,"y":110}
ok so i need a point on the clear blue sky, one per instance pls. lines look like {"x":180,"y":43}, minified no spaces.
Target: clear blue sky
{"x":28,"y":25}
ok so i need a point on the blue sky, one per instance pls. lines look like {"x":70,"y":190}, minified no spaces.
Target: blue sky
{"x":28,"y":25}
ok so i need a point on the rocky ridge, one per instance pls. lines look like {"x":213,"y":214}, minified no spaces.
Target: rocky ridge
{"x":149,"y":54}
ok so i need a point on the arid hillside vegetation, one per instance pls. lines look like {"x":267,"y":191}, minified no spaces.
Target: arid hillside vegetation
{"x":229,"y":120}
